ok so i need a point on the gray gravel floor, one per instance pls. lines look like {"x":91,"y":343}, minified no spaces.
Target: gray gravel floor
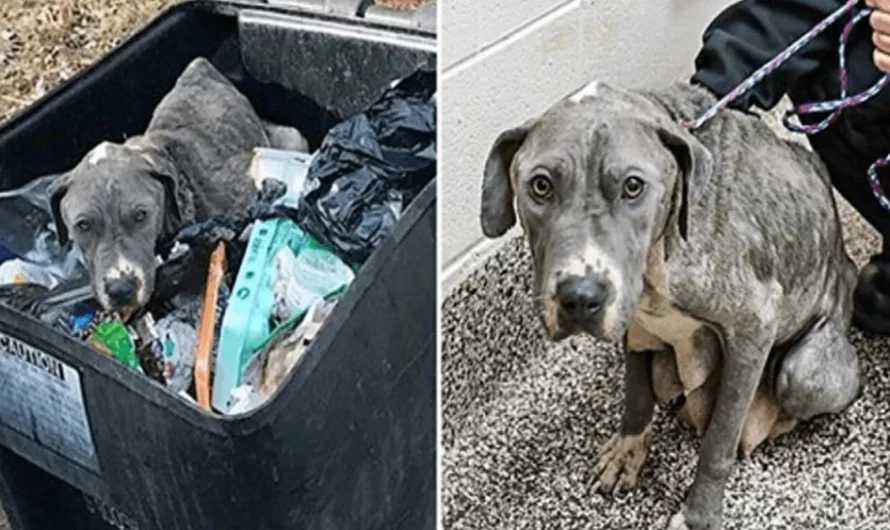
{"x":523,"y":419}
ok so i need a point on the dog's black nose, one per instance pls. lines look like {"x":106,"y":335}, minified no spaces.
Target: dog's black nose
{"x":580,"y":297}
{"x":121,"y":291}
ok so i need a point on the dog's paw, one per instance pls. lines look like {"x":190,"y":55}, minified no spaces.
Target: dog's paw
{"x":681,"y":522}
{"x":620,"y":461}
{"x":678,"y":522}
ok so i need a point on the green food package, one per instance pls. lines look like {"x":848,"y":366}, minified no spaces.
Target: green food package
{"x":113,"y":338}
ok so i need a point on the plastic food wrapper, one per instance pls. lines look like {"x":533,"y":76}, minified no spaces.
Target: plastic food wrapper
{"x":306,"y":278}
{"x":291,"y":168}
{"x":267,"y":370}
{"x":112,"y":337}
{"x":169,"y":345}
{"x":167,"y":353}
{"x":244,"y":399}
{"x":178,"y":340}
{"x":282,"y":356}
{"x":28,"y":233}
{"x":20,"y":272}
{"x":369,"y":168}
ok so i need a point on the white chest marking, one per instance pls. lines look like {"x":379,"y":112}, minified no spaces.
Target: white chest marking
{"x":667,"y":325}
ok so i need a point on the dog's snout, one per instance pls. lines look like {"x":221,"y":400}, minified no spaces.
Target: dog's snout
{"x":121,"y":290}
{"x":581,"y":298}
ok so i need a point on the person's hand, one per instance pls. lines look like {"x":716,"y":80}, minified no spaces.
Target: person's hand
{"x":880,"y":23}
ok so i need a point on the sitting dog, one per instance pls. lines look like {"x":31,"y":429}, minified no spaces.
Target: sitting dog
{"x":192,"y":163}
{"x":716,"y":258}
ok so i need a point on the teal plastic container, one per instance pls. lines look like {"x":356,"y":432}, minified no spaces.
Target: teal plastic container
{"x":245,"y":324}
{"x":266,"y":283}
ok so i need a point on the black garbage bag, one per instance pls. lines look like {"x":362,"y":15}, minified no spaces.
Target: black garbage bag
{"x":61,"y":307}
{"x":23,"y":298}
{"x":186,"y":271}
{"x":369,"y":168}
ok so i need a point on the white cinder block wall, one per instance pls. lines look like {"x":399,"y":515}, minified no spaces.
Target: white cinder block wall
{"x":504,"y":61}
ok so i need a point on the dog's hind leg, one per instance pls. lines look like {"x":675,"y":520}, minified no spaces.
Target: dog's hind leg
{"x":282,"y":137}
{"x":819,"y":374}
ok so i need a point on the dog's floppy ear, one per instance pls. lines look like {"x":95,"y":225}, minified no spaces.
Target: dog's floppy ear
{"x":56,"y":192}
{"x":164,"y":171}
{"x":178,"y":202}
{"x":695,"y":164}
{"x":497,"y":213}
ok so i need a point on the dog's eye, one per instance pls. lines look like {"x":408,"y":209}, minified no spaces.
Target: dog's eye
{"x":633,"y":187}
{"x":83,"y":226}
{"x":542,"y":187}
{"x":140,"y":216}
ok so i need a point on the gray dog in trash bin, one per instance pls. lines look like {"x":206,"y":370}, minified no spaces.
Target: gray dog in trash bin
{"x":716,"y":258}
{"x":190,"y":164}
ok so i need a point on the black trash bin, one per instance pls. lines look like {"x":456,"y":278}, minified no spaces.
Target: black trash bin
{"x":349,"y":441}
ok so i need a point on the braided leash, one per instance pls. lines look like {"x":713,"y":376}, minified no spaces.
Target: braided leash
{"x":834,"y":107}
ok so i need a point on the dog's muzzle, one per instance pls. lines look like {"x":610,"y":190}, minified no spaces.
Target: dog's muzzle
{"x":581,"y":299}
{"x":578,"y":303}
{"x":122,"y":291}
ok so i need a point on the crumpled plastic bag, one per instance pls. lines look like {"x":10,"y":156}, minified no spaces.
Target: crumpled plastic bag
{"x":24,"y":298}
{"x":370,"y":167}
{"x":62,"y":307}
{"x":28,"y":232}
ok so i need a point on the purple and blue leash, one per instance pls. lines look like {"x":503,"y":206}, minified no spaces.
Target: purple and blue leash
{"x":835,"y":107}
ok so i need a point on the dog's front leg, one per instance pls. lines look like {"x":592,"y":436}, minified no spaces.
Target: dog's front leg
{"x":622,"y":457}
{"x":743,"y":365}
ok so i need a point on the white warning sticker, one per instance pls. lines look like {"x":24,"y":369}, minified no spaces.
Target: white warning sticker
{"x":41,"y":398}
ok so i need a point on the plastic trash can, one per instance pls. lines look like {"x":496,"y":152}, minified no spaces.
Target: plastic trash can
{"x":349,"y":440}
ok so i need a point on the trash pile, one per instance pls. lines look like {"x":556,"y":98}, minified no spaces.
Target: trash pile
{"x":239,"y":299}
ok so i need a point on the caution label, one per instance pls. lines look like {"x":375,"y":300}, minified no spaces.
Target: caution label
{"x":41,"y":398}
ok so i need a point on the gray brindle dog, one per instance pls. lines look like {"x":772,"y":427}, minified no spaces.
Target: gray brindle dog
{"x":716,"y":258}
{"x":192,"y":163}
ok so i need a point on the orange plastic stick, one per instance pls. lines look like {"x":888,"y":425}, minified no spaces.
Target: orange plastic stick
{"x":207,"y":326}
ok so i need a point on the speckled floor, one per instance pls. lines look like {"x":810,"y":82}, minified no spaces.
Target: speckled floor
{"x":523,"y":419}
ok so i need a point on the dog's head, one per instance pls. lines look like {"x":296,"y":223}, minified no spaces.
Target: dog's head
{"x":595,"y":181}
{"x":115,"y":205}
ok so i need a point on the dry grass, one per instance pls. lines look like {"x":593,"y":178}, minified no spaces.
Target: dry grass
{"x":45,"y":43}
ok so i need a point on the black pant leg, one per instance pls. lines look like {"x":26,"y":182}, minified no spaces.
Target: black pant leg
{"x":847,"y":162}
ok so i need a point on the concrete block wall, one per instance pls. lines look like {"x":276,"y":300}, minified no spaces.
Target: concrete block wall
{"x":504,"y":61}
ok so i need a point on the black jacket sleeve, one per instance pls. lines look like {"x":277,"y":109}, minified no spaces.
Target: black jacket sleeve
{"x":749,"y":33}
